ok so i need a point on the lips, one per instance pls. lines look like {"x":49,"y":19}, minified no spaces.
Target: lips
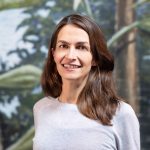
{"x":71,"y":66}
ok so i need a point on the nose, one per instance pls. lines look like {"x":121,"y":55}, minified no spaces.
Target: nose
{"x":71,"y":54}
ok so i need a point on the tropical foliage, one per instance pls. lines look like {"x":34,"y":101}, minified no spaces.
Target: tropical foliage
{"x":23,"y":80}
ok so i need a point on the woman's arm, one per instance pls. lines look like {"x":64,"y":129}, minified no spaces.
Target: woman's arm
{"x":127,"y":128}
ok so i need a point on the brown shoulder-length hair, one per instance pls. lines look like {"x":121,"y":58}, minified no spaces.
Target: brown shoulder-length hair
{"x":98,"y":99}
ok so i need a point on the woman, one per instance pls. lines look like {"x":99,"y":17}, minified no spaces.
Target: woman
{"x":81,"y":110}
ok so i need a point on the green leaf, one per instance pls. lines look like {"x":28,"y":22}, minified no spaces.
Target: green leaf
{"x":8,"y":4}
{"x":145,"y":24}
{"x":25,"y":142}
{"x":121,"y":32}
{"x":76,"y":4}
{"x":140,"y":2}
{"x":23,"y":77}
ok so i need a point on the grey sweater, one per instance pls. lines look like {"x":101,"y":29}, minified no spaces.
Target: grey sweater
{"x":60,"y":126}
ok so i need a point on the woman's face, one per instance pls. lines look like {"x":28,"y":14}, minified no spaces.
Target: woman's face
{"x":72,"y":54}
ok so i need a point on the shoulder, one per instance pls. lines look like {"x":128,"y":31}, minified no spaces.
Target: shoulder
{"x":126,"y":126}
{"x":124,"y":109}
{"x":125,"y":115}
{"x":42,"y":103}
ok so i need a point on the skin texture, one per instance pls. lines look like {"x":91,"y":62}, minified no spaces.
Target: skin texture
{"x":73,"y":60}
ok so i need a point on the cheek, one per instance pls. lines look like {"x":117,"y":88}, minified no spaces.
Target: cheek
{"x":88,"y":59}
{"x":58,"y":56}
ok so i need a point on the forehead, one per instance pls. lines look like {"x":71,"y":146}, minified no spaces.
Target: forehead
{"x":72,"y":33}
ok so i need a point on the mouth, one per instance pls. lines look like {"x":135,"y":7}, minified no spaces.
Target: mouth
{"x":71,"y":66}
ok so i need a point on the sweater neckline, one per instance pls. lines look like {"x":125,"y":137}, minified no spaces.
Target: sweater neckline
{"x":65,"y":102}
{"x":63,"y":105}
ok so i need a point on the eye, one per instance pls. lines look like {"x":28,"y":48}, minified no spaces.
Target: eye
{"x":63,"y":46}
{"x":81,"y":47}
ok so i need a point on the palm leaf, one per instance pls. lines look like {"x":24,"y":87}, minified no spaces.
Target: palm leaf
{"x":7,"y":4}
{"x":25,"y":142}
{"x":23,"y":77}
{"x":121,"y":32}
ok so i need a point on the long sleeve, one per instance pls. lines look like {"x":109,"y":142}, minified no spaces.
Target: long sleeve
{"x":37,"y":109}
{"x":35,"y":114}
{"x":127,"y":127}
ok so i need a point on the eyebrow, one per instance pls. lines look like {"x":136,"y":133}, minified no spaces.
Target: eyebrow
{"x":65,"y":42}
{"x":62,"y":41}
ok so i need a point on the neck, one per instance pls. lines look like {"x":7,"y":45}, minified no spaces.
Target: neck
{"x":71,"y":91}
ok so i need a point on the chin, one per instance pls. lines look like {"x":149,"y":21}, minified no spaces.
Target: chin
{"x":74,"y":78}
{"x":71,"y":78}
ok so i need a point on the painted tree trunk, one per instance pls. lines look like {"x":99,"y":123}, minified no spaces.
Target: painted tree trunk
{"x":126,"y":54}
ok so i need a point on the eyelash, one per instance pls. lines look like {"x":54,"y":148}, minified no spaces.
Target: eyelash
{"x":64,"y":46}
{"x":79,"y":47}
